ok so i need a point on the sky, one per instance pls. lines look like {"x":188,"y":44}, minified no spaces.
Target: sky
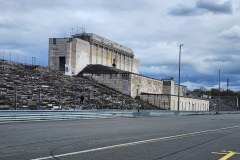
{"x":208,"y":29}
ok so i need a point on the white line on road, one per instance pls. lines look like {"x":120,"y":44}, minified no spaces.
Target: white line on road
{"x":136,"y":143}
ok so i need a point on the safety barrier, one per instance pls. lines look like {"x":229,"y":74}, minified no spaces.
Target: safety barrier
{"x":23,"y":115}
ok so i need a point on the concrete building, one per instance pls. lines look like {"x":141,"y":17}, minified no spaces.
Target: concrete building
{"x":160,"y":93}
{"x":71,"y":55}
{"x":114,"y":65}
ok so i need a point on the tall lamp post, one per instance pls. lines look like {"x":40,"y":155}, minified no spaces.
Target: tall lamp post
{"x":179,"y":73}
{"x":219,"y":87}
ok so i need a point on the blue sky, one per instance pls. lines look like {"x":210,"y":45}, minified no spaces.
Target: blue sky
{"x":209,"y":30}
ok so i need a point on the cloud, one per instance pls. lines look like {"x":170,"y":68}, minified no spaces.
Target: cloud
{"x":182,"y":10}
{"x":232,"y":33}
{"x":192,"y":85}
{"x":159,"y":70}
{"x":221,"y":59}
{"x":214,"y":7}
{"x":202,"y":7}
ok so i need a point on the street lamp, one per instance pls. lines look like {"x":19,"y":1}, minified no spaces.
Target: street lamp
{"x":33,"y":60}
{"x":219,"y":87}
{"x":179,"y":73}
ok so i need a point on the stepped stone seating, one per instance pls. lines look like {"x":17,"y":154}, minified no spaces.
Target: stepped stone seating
{"x":225,"y":104}
{"x":30,"y":83}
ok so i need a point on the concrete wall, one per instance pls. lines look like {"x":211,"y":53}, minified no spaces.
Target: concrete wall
{"x":81,"y":50}
{"x":119,"y":82}
{"x":189,"y":104}
{"x":160,"y":100}
{"x":170,"y":102}
{"x":168,"y":87}
{"x":183,"y":90}
{"x":57,"y":48}
{"x":130,"y":84}
{"x":135,"y":66}
{"x":141,"y":84}
{"x":104,"y":56}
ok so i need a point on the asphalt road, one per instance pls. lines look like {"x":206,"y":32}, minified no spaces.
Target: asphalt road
{"x":206,"y":137}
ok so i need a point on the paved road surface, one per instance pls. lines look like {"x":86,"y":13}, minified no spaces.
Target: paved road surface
{"x":207,"y":137}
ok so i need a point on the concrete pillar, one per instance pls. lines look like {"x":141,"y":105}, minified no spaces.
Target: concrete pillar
{"x":91,"y":53}
{"x":102,"y":55}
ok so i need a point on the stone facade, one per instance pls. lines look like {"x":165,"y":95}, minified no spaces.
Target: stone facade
{"x":169,"y":87}
{"x":126,"y":82}
{"x":189,"y":104}
{"x":170,"y":102}
{"x":71,"y":55}
{"x":141,"y":84}
{"x":160,"y":93}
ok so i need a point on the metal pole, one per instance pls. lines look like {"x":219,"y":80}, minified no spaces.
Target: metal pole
{"x":227,"y":86}
{"x":33,"y":60}
{"x":179,"y":74}
{"x":138,"y":104}
{"x":102,"y":102}
{"x":164,"y":104}
{"x":112,"y":101}
{"x":39,"y":98}
{"x":154,"y":100}
{"x":59,"y":99}
{"x":75,"y":96}
{"x":89,"y":100}
{"x":219,"y":92}
{"x":122,"y":104}
{"x":75,"y":99}
{"x":15,"y":99}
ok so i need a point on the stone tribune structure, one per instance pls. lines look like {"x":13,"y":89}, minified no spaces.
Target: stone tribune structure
{"x":71,"y":55}
{"x":114,"y":65}
{"x":160,"y":93}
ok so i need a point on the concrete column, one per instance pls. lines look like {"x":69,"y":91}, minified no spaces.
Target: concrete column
{"x":102,"y":56}
{"x":91,"y":53}
{"x":120,"y":61}
{"x":124,"y":62}
{"x":131,"y":64}
{"x":96,"y":55}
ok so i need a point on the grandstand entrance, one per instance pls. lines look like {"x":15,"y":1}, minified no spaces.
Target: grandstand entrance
{"x":62,"y":62}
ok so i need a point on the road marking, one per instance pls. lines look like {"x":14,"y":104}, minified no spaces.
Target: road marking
{"x":228,"y":154}
{"x":137,"y":143}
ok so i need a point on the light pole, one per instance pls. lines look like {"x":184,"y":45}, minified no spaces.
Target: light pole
{"x":219,"y":87}
{"x":179,"y":73}
{"x":33,"y":60}
{"x":15,"y":97}
{"x":138,"y":96}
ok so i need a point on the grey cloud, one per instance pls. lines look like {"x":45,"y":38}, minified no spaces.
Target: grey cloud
{"x":232,"y":33}
{"x":183,"y":11}
{"x":220,"y":59}
{"x":225,"y":8}
{"x":202,"y":7}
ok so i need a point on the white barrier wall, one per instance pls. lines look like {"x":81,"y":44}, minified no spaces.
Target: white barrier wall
{"x":170,"y":102}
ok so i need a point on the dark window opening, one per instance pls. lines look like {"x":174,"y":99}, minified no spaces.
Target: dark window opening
{"x":62,"y":62}
{"x":54,"y":41}
{"x":114,"y":63}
